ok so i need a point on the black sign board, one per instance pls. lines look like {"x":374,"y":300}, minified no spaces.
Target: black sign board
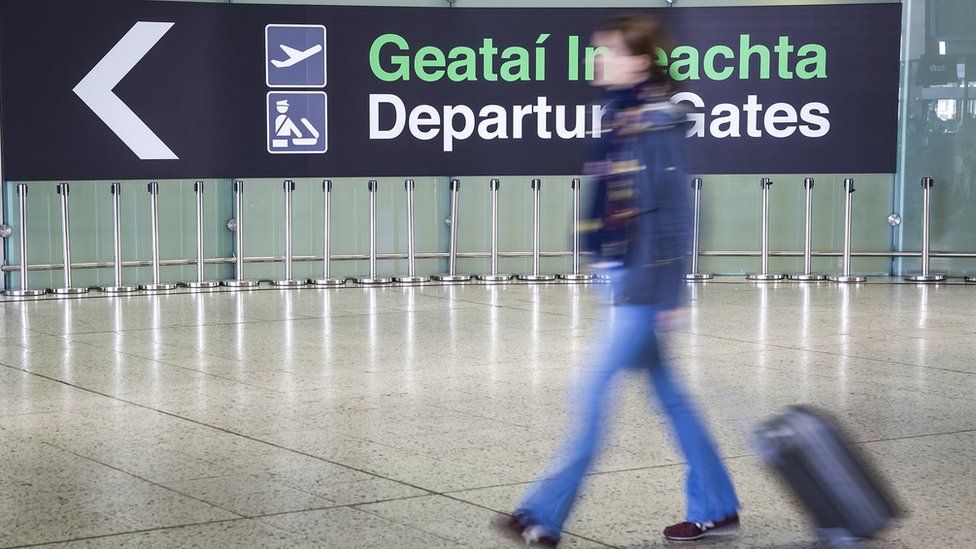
{"x":938,"y":70}
{"x":129,"y":89}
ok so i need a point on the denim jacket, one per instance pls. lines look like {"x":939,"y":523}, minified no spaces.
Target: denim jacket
{"x":639,"y":159}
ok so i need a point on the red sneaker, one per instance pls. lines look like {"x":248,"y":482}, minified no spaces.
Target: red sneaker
{"x":688,"y":531}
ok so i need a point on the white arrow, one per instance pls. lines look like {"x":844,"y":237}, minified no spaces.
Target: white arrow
{"x":95,"y":90}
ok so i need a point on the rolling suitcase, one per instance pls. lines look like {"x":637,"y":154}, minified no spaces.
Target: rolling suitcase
{"x":845,"y":497}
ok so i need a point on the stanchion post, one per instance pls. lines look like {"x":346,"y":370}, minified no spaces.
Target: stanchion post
{"x":694,"y":275}
{"x":372,"y":279}
{"x":327,"y":279}
{"x":156,"y":285}
{"x":200,"y":283}
{"x":24,"y":290}
{"x":289,"y":281}
{"x":536,"y":275}
{"x":451,"y":275}
{"x":117,"y":286}
{"x":808,"y":275}
{"x":577,"y":274}
{"x":925,"y":275}
{"x":239,"y":282}
{"x":411,"y":276}
{"x":493,"y":187}
{"x":846,"y":276}
{"x":68,"y":289}
{"x":764,"y":275}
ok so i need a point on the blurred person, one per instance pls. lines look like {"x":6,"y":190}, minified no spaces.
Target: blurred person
{"x":640,"y":230}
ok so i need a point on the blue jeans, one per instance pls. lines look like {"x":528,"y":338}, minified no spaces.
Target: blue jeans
{"x":633,"y":344}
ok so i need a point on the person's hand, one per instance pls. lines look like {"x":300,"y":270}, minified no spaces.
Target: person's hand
{"x":602,"y":265}
{"x":672,"y":319}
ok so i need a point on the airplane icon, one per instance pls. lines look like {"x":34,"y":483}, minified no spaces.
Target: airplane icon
{"x":303,"y":63}
{"x":295,"y":56}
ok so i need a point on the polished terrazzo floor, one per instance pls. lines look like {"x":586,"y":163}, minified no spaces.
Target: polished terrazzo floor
{"x":410,"y":417}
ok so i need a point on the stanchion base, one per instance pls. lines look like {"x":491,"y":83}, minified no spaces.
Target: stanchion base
{"x":289,"y":283}
{"x":327,"y":281}
{"x":764,"y":277}
{"x":68,"y":292}
{"x":698,"y":277}
{"x":377,"y":281}
{"x":806,"y":277}
{"x":451,"y":278}
{"x":157,"y":287}
{"x":846,"y":279}
{"x":205,"y":285}
{"x":241,"y":283}
{"x":577,"y":277}
{"x":932,"y":277}
{"x":537,"y":278}
{"x":118,"y":289}
{"x":24,"y":293}
{"x":494,"y":278}
{"x":411,"y":279}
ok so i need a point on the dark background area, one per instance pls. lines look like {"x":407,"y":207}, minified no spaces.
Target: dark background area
{"x":202,"y":89}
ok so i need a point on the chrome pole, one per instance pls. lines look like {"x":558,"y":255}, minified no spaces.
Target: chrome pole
{"x":451,"y":275}
{"x":493,"y":187}
{"x":200,"y":283}
{"x":808,"y":226}
{"x":536,"y":275}
{"x":764,"y":275}
{"x":238,"y":227}
{"x":68,"y":289}
{"x":411,"y":277}
{"x":694,"y":275}
{"x":117,"y":287}
{"x":24,"y":291}
{"x":577,"y":275}
{"x":848,"y":217}
{"x":925,"y":275}
{"x":156,"y":285}
{"x":327,"y":279}
{"x":289,"y":281}
{"x":926,"y":206}
{"x":494,"y":183}
{"x":808,"y":275}
{"x":372,"y":279}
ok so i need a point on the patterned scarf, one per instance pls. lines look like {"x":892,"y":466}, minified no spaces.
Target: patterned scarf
{"x":616,"y":165}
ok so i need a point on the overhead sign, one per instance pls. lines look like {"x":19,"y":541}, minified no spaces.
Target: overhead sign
{"x":134,"y":89}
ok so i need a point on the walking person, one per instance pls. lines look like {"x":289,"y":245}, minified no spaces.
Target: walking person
{"x":641,"y":230}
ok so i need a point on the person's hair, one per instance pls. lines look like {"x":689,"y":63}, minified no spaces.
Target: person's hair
{"x":643,"y":35}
